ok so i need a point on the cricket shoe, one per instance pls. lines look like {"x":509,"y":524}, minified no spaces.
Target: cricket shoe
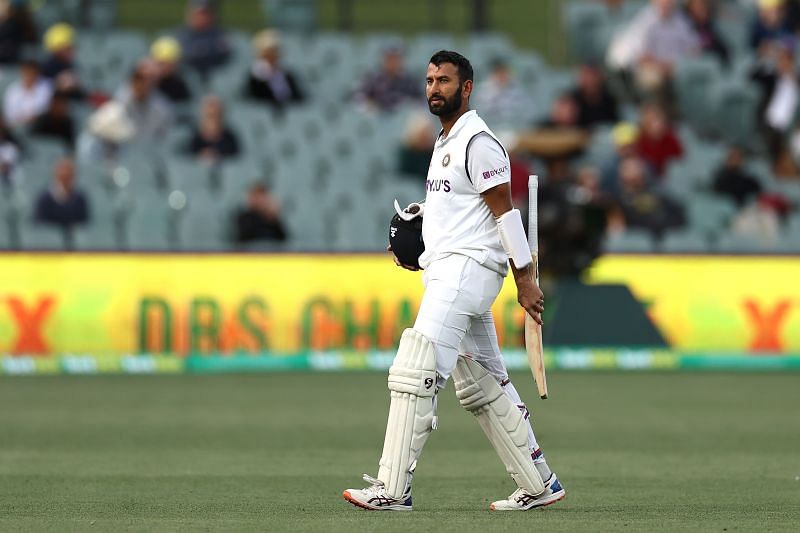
{"x":374,"y":497}
{"x":521,"y":500}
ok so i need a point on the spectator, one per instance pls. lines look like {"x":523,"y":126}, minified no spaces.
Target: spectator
{"x":268,"y":81}
{"x":570,"y":229}
{"x":9,"y":157}
{"x":62,"y":204}
{"x":669,"y":40}
{"x":657,"y":143}
{"x":733,"y":181}
{"x":212,"y":140}
{"x":780,"y":93}
{"x":391,"y":85}
{"x":109,"y":130}
{"x":769,"y":27}
{"x":203,"y":43}
{"x":414,"y":155}
{"x":27,"y":97}
{"x":166,"y":53}
{"x":624,"y":136}
{"x":148,"y":111}
{"x":17,"y":29}
{"x":558,"y":137}
{"x":59,"y":67}
{"x":56,"y":121}
{"x":260,"y":220}
{"x":701,"y":17}
{"x":640,"y":207}
{"x":500,"y":97}
{"x":655,"y":39}
{"x":596,"y":104}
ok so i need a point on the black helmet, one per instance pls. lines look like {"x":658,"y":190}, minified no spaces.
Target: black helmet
{"x":405,"y":237}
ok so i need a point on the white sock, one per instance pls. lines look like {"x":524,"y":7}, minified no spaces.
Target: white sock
{"x":536,"y":453}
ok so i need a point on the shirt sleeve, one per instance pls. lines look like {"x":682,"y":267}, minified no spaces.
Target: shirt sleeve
{"x":487,"y":163}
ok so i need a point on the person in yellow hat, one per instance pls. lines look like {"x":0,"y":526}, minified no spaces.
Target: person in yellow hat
{"x":59,"y":66}
{"x":165,"y":53}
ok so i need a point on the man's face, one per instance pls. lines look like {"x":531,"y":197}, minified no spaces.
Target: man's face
{"x":392,"y":63}
{"x":29,"y":75}
{"x":443,"y":89}
{"x":65,"y":173}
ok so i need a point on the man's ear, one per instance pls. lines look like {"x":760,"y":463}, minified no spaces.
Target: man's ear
{"x":466,"y":91}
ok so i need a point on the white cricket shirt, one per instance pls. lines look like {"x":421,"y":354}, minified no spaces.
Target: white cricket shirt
{"x":466,"y":163}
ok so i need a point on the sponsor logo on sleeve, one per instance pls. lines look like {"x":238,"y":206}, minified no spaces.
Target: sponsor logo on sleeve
{"x":495,"y":172}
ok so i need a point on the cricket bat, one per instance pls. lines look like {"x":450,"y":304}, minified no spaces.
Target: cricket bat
{"x":533,"y":331}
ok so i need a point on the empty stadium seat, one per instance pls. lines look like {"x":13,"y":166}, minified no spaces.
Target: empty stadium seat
{"x":43,"y":237}
{"x":710,"y":214}
{"x":630,"y":241}
{"x":588,"y":29}
{"x":684,"y":241}
{"x":693,"y":81}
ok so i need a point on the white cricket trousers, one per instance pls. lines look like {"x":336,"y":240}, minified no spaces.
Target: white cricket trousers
{"x":455,"y":315}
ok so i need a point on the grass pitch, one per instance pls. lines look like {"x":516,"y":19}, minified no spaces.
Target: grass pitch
{"x":636,"y":452}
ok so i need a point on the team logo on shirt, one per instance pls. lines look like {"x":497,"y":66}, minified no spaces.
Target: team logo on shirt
{"x":446,"y":160}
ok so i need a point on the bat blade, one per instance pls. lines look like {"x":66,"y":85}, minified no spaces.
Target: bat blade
{"x":535,"y":350}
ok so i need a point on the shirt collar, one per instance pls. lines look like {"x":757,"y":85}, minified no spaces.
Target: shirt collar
{"x":457,"y":126}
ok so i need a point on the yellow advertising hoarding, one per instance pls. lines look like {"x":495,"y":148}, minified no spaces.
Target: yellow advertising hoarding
{"x":182,"y":304}
{"x":211,"y":303}
{"x":722,"y":303}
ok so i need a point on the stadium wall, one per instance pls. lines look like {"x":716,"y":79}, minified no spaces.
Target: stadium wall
{"x":86,"y":313}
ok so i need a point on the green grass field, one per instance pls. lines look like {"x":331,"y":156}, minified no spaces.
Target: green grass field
{"x":636,"y":452}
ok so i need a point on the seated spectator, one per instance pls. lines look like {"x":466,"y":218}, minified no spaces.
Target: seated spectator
{"x":732,"y":180}
{"x":701,"y":17}
{"x":638,"y":206}
{"x":203,"y":43}
{"x":56,"y":121}
{"x":260,"y":219}
{"x":570,"y":229}
{"x":596,"y":104}
{"x":212,"y":140}
{"x":62,"y":204}
{"x":669,"y":40}
{"x":17,"y":28}
{"x":501,"y":97}
{"x":267,"y":80}
{"x":391,"y":85}
{"x":653,"y":42}
{"x":769,"y":27}
{"x":28,"y":97}
{"x":780,"y":93}
{"x":9,"y":157}
{"x":414,"y":156}
{"x":624,"y":136}
{"x":59,"y":67}
{"x":657,"y":143}
{"x":149,"y":112}
{"x":166,"y":53}
{"x":109,"y":130}
{"x":559,"y":136}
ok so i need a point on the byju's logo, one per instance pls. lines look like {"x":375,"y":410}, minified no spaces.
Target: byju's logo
{"x":491,"y":173}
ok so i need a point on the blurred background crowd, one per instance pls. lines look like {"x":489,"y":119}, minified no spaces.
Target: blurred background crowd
{"x":669,"y":126}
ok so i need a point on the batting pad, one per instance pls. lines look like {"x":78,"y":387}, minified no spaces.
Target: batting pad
{"x":412,"y":386}
{"x":481,"y":394}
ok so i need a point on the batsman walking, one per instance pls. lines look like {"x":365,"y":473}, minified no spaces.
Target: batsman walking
{"x":471,"y":231}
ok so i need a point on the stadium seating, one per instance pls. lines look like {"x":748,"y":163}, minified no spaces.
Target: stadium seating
{"x":154,"y":196}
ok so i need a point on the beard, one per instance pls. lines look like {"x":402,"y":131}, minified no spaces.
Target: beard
{"x":448,"y":106}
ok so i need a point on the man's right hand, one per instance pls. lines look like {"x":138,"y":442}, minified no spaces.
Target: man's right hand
{"x":398,"y":263}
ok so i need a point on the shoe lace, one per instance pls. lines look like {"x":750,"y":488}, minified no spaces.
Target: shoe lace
{"x":376,"y":485}
{"x":521,"y":496}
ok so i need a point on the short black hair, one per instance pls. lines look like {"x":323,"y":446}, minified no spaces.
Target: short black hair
{"x":462,"y":63}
